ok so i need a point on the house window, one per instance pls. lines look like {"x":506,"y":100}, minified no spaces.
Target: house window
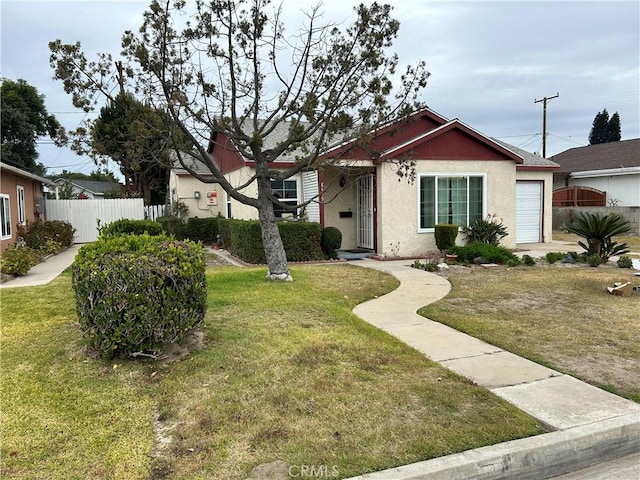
{"x":287,"y":192}
{"x":22,"y":215}
{"x":5,"y":216}
{"x":454,"y":199}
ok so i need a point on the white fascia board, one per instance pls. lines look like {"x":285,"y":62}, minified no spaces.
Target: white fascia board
{"x":610,"y":172}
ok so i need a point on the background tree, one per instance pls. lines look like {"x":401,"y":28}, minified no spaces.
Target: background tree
{"x":231,"y":70}
{"x":615,"y":130}
{"x":135,"y":136}
{"x":24,"y":120}
{"x":605,"y":129}
{"x":97,"y":175}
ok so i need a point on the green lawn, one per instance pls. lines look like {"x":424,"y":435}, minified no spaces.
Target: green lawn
{"x":286,"y":372}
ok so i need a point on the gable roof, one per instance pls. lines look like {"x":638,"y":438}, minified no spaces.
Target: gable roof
{"x":92,"y":186}
{"x":425,"y":134}
{"x":452,"y":126}
{"x":603,"y":156}
{"x":429,"y":135}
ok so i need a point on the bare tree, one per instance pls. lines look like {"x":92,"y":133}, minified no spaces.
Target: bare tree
{"x":230,"y":69}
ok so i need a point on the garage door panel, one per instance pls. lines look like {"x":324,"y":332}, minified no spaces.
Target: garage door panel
{"x":528,"y":212}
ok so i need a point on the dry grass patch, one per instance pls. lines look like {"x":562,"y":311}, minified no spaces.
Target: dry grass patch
{"x":560,"y":316}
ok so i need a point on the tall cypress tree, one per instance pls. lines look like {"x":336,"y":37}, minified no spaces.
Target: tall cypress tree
{"x":605,"y":129}
{"x":614,"y":128}
{"x":600,"y":128}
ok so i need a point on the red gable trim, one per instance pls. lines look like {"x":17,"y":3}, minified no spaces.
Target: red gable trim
{"x":424,"y":120}
{"x":452,"y":141}
{"x":225,"y":153}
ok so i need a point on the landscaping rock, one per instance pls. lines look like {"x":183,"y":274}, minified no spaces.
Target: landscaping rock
{"x":479,"y":260}
{"x":277,"y":470}
{"x":568,"y":259}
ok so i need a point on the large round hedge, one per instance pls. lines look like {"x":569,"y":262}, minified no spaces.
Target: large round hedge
{"x":137,"y":293}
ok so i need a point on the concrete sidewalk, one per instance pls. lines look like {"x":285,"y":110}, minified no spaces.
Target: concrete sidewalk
{"x":46,"y":271}
{"x":589,"y":425}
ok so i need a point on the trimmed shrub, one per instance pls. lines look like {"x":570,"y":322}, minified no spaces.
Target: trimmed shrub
{"x":330,"y":241}
{"x":137,"y":293}
{"x":528,"y":260}
{"x":301,"y":241}
{"x":203,"y":230}
{"x":243,"y":238}
{"x":173,"y":226}
{"x":490,"y":253}
{"x":125,"y":226}
{"x":17,"y":261}
{"x":625,"y":262}
{"x":445,"y":236}
{"x":38,"y":234}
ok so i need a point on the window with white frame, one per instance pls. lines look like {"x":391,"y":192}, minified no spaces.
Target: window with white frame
{"x":287,"y":192}
{"x":449,"y":198}
{"x":22,"y":210}
{"x":5,"y":216}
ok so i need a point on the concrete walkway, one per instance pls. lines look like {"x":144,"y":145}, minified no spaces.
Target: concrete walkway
{"x":589,"y":425}
{"x":46,"y":271}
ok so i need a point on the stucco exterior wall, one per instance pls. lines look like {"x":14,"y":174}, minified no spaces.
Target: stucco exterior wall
{"x":397,"y":212}
{"x":183,"y":188}
{"x":547,"y":192}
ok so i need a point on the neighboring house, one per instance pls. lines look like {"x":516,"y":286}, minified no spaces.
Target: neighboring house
{"x":460,"y":175}
{"x":88,"y":189}
{"x":21,"y":200}
{"x":613,"y":168}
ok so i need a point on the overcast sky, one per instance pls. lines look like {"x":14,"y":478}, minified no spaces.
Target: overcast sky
{"x":489,"y":61}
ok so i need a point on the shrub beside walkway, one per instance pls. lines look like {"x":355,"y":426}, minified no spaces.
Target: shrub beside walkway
{"x":44,"y":272}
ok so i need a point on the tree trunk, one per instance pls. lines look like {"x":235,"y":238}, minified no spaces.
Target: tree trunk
{"x":273,"y":246}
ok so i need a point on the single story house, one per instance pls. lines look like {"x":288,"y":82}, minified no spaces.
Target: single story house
{"x":21,"y":201}
{"x":460,"y":175}
{"x":88,"y":189}
{"x":613,"y":168}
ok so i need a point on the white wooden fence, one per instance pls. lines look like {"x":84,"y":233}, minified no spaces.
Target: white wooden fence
{"x":84,"y":215}
{"x":152,"y":212}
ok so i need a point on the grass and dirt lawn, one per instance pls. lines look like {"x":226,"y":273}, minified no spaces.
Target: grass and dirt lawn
{"x":559,"y":315}
{"x":278,"y":373}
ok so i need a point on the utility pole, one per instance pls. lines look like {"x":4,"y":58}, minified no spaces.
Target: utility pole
{"x":544,"y":122}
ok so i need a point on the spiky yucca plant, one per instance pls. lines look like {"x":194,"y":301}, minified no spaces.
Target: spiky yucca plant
{"x":598,"y":231}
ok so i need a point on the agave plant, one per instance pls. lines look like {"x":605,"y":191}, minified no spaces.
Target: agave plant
{"x":598,"y":231}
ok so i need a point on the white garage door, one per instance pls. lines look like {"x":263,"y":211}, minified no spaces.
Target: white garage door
{"x":528,"y":212}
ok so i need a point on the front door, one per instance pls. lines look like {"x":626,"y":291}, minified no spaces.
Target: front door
{"x":364,"y":214}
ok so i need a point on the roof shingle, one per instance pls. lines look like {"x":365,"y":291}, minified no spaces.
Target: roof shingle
{"x":603,"y":156}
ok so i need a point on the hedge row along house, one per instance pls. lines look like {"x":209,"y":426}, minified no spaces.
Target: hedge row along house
{"x":460,"y":175}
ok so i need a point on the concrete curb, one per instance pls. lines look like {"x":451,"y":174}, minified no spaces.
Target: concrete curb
{"x":533,"y":458}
